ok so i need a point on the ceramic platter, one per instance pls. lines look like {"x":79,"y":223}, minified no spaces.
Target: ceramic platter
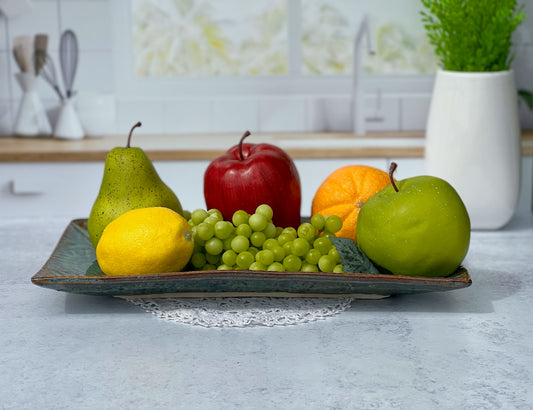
{"x":72,"y":268}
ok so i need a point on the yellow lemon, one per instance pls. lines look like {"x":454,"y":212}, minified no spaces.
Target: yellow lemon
{"x":145,"y":241}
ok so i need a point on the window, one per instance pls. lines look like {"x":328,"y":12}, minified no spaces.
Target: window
{"x":200,"y":47}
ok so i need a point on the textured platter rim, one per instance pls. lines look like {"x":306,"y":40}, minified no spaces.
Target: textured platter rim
{"x":231,"y":282}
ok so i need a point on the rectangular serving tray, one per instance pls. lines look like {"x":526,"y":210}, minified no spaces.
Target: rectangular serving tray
{"x":72,"y":268}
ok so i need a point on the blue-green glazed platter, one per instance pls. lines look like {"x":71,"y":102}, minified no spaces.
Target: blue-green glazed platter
{"x":72,"y":268}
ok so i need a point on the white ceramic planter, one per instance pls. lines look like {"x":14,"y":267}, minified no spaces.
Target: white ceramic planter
{"x":473,"y":142}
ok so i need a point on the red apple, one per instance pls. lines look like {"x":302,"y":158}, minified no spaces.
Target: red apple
{"x":249,"y":175}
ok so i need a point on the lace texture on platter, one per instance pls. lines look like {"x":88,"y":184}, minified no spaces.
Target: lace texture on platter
{"x":243,"y":312}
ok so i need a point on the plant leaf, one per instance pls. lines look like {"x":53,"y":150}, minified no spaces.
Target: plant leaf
{"x":527,"y":97}
{"x":353,"y":259}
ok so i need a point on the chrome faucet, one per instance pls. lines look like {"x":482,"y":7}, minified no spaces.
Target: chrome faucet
{"x":358,"y":118}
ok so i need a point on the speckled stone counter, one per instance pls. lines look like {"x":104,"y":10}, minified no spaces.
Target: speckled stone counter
{"x":465,"y":349}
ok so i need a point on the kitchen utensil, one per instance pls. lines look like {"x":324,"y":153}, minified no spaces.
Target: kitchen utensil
{"x":40,"y":44}
{"x":23,"y":52}
{"x":48,"y":70}
{"x":68,"y":55}
{"x":31,"y":120}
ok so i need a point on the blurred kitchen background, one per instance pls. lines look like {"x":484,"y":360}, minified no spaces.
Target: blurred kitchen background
{"x":198,"y":66}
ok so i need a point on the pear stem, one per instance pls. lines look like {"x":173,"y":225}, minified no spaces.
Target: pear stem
{"x":392,"y":168}
{"x":246,"y":134}
{"x":131,"y":132}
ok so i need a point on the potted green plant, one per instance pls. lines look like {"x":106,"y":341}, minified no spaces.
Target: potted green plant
{"x":473,"y":130}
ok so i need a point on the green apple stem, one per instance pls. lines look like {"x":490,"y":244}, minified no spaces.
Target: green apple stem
{"x":131,"y":131}
{"x":392,"y":168}
{"x":246,"y":134}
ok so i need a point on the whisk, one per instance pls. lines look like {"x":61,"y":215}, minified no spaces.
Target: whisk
{"x":48,"y":70}
{"x":68,"y":55}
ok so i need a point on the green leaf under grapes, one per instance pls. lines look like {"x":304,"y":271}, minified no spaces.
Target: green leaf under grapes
{"x":353,"y":258}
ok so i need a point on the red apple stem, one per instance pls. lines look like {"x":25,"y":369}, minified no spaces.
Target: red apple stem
{"x":246,"y":134}
{"x":131,"y":132}
{"x":392,"y":168}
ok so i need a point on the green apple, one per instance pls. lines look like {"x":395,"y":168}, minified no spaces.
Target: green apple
{"x":416,"y":227}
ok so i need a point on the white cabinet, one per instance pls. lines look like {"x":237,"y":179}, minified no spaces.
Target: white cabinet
{"x":68,"y":189}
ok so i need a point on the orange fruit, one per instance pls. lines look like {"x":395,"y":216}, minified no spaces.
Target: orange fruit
{"x":344,"y":192}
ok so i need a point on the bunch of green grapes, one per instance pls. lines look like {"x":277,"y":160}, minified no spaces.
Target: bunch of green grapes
{"x":253,"y":242}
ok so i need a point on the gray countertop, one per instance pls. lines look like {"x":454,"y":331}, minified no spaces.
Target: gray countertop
{"x":465,"y":349}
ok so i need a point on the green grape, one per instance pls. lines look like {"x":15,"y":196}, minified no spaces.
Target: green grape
{"x":312,"y":256}
{"x":276,"y":267}
{"x":291,"y":231}
{"x":287,"y":247}
{"x":257,"y":239}
{"x":225,"y":267}
{"x":198,"y":260}
{"x":240,"y":217}
{"x":198,"y":216}
{"x":227,"y":242}
{"x":240,"y":243}
{"x":266,"y":211}
{"x":300,"y":247}
{"x":210,"y":267}
{"x":216,"y":213}
{"x":214,"y":246}
{"x":253,"y":250}
{"x":270,"y":243}
{"x":223,"y":229}
{"x":338,"y":269}
{"x":307,"y":232}
{"x":283,"y":238}
{"x":212,"y":259}
{"x":270,"y":231}
{"x":257,"y":266}
{"x":323,"y":244}
{"x":186,"y":214}
{"x":229,"y":257}
{"x":211,"y":219}
{"x":244,"y":230}
{"x":245,"y":259}
{"x":205,"y":231}
{"x":279,"y":253}
{"x":279,"y":230}
{"x":327,"y":234}
{"x":318,"y":221}
{"x":334,"y":254}
{"x":308,"y":267}
{"x":326,"y":263}
{"x":333,"y":223}
{"x":265,"y":256}
{"x":292,"y":263}
{"x":258,"y":222}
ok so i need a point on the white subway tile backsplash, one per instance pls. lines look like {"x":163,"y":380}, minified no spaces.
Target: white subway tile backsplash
{"x":150,"y":113}
{"x":4,"y":78}
{"x":282,"y":114}
{"x":42,"y":19}
{"x":414,"y":112}
{"x":90,"y":20}
{"x":95,"y":71}
{"x":6,"y":118}
{"x":235,"y":115}
{"x":194,"y":116}
{"x":4,"y":46}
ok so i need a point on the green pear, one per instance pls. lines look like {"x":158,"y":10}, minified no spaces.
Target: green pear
{"x":415,"y":227}
{"x":130,"y":181}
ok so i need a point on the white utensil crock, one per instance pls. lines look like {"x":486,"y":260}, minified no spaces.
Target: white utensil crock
{"x":68,"y":124}
{"x":31,"y":120}
{"x":473,"y":142}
